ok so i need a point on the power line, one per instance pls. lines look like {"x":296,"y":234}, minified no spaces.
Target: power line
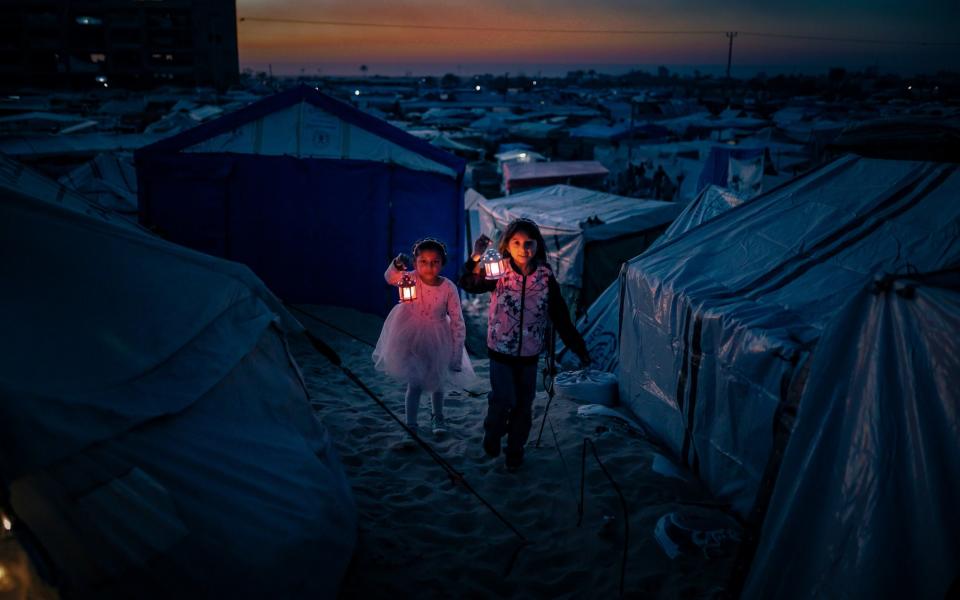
{"x":823,"y":38}
{"x":814,"y":38}
{"x":487,"y":29}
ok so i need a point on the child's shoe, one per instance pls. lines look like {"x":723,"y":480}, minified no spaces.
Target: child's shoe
{"x":514,"y":461}
{"x":438,"y":425}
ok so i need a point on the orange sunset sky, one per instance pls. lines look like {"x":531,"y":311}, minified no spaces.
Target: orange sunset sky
{"x":864,"y":33}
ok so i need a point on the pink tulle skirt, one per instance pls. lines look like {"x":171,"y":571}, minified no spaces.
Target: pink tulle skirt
{"x":419,"y":351}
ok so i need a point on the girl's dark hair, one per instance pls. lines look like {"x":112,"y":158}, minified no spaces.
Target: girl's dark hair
{"x":429,"y":243}
{"x":528,"y":227}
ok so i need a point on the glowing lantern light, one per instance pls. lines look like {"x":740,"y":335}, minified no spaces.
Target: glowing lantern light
{"x":7,"y":582}
{"x":7,"y":524}
{"x":494,"y":265}
{"x":408,"y":288}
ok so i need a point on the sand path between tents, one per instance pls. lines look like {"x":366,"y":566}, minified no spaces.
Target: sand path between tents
{"x":423,"y":536}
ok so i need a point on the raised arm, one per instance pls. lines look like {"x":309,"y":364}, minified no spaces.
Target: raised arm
{"x":473,"y":281}
{"x":396,"y":269}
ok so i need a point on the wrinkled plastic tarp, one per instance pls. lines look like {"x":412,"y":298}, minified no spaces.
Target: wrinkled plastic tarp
{"x":155,"y":434}
{"x":866,"y":502}
{"x":600,"y":325}
{"x":717,"y":320}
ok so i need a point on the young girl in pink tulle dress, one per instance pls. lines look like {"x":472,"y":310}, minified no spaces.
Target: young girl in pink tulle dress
{"x":421,"y":342}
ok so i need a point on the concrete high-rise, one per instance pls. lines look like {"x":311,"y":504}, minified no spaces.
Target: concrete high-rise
{"x":118,"y":43}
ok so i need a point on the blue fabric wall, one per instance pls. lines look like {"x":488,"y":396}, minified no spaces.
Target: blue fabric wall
{"x":715,"y":169}
{"x":316,"y":231}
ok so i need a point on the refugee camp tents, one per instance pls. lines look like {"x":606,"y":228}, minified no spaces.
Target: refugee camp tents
{"x":589,"y":234}
{"x":312,"y":194}
{"x":156,"y":438}
{"x":110,"y":180}
{"x":600,"y":325}
{"x":738,"y":169}
{"x":718,"y":329}
{"x":526,"y":175}
{"x":877,"y":447}
{"x":16,"y":177}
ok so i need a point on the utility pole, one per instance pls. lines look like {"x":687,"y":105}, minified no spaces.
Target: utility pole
{"x":730,"y":36}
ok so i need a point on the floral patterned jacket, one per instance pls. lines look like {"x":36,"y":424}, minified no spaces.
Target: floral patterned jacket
{"x":520,"y":308}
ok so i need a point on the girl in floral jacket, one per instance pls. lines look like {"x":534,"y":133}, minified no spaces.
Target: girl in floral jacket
{"x":522,"y":302}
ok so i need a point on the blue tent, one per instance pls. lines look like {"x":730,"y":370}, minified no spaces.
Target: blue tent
{"x":724,"y":159}
{"x":753,"y":326}
{"x":311,"y":193}
{"x":156,"y":438}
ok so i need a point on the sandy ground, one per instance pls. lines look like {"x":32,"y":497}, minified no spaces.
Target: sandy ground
{"x":421,"y":535}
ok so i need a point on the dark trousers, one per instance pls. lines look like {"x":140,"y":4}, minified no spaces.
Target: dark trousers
{"x":510,"y":404}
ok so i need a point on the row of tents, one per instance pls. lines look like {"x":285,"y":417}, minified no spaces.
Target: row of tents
{"x":788,"y":348}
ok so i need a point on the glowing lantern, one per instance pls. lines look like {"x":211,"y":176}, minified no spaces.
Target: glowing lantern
{"x":408,"y":288}
{"x":494,"y":265}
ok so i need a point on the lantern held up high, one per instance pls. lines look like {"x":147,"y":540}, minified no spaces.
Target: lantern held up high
{"x":494,"y":265}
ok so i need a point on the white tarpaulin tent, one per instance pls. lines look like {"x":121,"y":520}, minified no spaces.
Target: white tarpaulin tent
{"x":725,"y":336}
{"x":600,"y":325}
{"x":589,"y":234}
{"x":156,"y":438}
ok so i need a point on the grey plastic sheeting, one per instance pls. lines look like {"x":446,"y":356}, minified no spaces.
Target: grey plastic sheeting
{"x":866,"y":502}
{"x":709,"y":203}
{"x":155,"y":434}
{"x":717,"y":321}
{"x":600,"y":325}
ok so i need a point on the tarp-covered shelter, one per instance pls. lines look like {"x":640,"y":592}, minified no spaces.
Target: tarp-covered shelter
{"x":718,"y":329}
{"x":519,"y":176}
{"x":312,"y":194}
{"x":16,"y":177}
{"x":110,"y":180}
{"x":589,"y":234}
{"x":877,"y":444}
{"x":600,"y":325}
{"x":156,"y":438}
{"x":738,"y":169}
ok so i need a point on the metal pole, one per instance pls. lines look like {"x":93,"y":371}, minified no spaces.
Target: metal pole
{"x":730,"y":36}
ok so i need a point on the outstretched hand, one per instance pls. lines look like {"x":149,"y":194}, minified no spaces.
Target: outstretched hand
{"x":481,"y":244}
{"x":402,"y":262}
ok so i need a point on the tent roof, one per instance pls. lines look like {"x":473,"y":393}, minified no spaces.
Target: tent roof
{"x":568,"y":209}
{"x":540,"y":170}
{"x":903,"y":138}
{"x":18,"y":178}
{"x":309,"y":96}
{"x":139,"y":309}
